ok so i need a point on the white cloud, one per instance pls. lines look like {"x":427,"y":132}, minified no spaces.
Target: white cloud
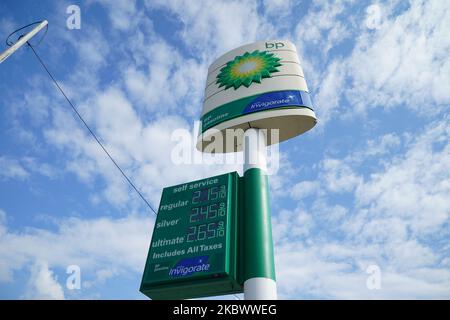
{"x":288,"y":224}
{"x":382,"y":145}
{"x":381,"y":230}
{"x":169,"y":83}
{"x":328,"y":98}
{"x":91,"y":47}
{"x":396,"y":218}
{"x":415,"y":186}
{"x":400,"y":63}
{"x":404,"y":62}
{"x":101,"y":276}
{"x":411,"y":254}
{"x":323,"y":24}
{"x":93,"y":51}
{"x":12,"y":169}
{"x":338,"y":176}
{"x":23,"y":168}
{"x":304,"y":189}
{"x":93,"y":244}
{"x":303,"y":272}
{"x":122,"y":13}
{"x":43,"y":284}
{"x":208,"y":28}
{"x":323,"y":269}
{"x":331,"y":215}
{"x":277,"y":7}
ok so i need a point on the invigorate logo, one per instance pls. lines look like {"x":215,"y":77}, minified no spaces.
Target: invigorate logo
{"x":189,"y":266}
{"x":285,"y":98}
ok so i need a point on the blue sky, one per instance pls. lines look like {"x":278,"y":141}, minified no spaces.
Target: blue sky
{"x":369,"y":185}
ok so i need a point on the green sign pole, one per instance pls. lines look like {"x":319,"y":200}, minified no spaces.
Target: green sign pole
{"x":258,"y":257}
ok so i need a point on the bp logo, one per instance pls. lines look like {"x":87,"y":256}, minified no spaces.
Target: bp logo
{"x":248,"y":68}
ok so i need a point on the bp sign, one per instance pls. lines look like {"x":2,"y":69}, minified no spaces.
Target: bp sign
{"x":259,"y":85}
{"x":213,"y":236}
{"x":193,"y":251}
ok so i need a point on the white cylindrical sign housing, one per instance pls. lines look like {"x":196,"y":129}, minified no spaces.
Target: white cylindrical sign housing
{"x":259,"y":85}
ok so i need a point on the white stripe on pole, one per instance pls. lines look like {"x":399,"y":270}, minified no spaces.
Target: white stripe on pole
{"x":260,"y":289}
{"x":255,"y":150}
{"x":22,"y":41}
{"x":255,"y":157}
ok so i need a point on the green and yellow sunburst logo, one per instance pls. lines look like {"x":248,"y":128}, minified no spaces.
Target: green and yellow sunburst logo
{"x":248,"y":68}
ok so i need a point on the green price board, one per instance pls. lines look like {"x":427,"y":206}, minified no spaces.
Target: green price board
{"x":193,"y":251}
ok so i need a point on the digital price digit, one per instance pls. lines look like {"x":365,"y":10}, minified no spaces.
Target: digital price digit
{"x":211,"y":232}
{"x":213,"y":193}
{"x":212,"y":211}
{"x":191,"y":234}
{"x":203,"y":213}
{"x":200,"y":196}
{"x":201,"y":233}
{"x":196,"y":196}
{"x":193,"y":215}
